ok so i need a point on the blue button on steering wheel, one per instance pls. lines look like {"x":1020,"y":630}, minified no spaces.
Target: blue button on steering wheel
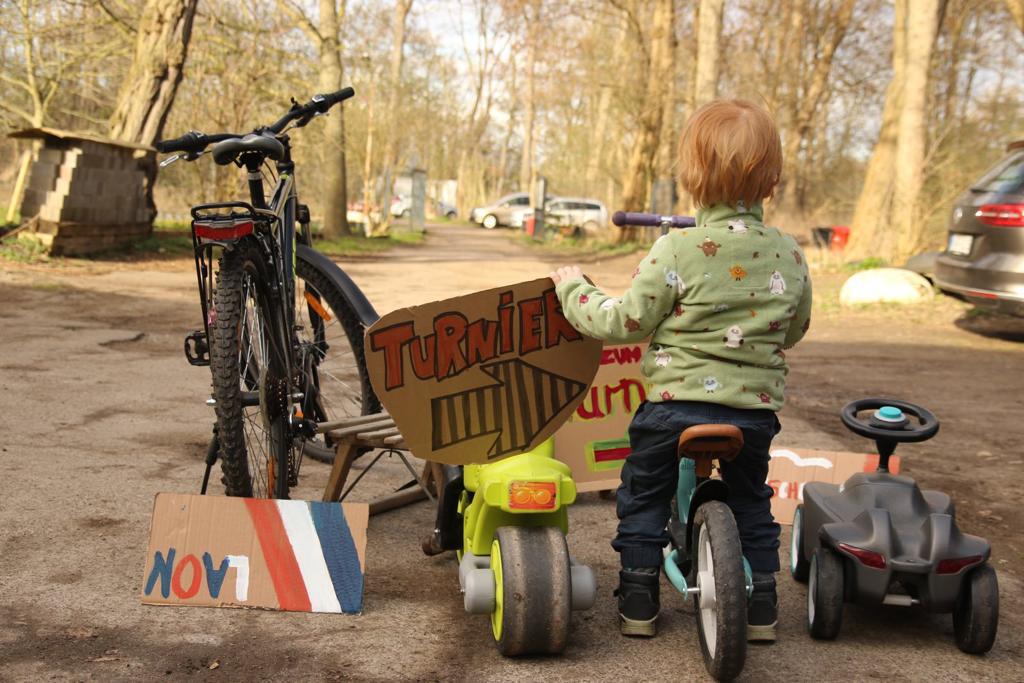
{"x":889,"y":414}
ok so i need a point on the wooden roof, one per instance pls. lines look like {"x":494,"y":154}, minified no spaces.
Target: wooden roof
{"x":44,"y":133}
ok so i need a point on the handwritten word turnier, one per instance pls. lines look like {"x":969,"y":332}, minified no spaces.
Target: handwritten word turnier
{"x":456,"y":343}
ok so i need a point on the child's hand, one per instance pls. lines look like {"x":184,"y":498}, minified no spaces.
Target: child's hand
{"x":566,"y":274}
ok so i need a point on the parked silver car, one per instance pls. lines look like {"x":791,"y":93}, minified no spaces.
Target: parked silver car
{"x":500,"y":212}
{"x":573,"y":215}
{"x":984,"y":257}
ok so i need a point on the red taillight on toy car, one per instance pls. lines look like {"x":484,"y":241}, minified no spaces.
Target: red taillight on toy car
{"x":223,"y":230}
{"x":1001,"y":215}
{"x":868,"y":558}
{"x":531,"y":495}
{"x":953,"y":565}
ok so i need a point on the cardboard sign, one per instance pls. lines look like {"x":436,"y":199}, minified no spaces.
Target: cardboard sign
{"x":482,"y":376}
{"x":293,"y":555}
{"x":790,"y":469}
{"x":595,"y":440}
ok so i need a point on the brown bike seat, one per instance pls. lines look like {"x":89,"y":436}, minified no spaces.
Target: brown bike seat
{"x":707,"y":442}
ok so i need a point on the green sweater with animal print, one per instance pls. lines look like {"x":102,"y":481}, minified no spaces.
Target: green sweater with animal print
{"x":720,"y":302}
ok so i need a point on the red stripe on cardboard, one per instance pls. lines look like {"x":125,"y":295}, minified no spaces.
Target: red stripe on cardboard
{"x":277,"y":550}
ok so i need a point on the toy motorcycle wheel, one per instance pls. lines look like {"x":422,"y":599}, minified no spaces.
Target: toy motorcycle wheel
{"x":721,"y":602}
{"x":799,"y":567}
{"x":976,"y":614}
{"x":533,"y":590}
{"x":825,"y":595}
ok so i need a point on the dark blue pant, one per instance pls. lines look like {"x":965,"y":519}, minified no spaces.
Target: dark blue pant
{"x":651,"y":472}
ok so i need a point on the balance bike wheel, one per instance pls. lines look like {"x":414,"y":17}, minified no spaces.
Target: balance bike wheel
{"x":976,"y":614}
{"x":799,"y":567}
{"x":721,"y":604}
{"x":533,"y":591}
{"x":825,"y":595}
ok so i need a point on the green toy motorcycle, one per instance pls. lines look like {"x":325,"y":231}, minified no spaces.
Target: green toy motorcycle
{"x":507,"y":522}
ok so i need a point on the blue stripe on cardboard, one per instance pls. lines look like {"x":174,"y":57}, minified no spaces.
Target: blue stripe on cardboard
{"x":339,"y":554}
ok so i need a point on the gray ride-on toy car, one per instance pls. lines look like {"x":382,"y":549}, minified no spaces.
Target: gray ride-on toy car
{"x":878,"y":539}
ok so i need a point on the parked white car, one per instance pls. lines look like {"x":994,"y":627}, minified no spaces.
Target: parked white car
{"x":575,"y":215}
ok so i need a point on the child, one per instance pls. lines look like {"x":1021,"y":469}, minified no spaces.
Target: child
{"x":720,"y":302}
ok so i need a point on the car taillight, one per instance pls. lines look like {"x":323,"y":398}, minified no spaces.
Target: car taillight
{"x":223,"y":230}
{"x":952,"y":565}
{"x":1001,"y":215}
{"x":868,"y":558}
{"x":531,"y":495}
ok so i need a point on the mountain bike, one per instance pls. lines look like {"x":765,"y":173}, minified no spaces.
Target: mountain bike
{"x":282,"y":324}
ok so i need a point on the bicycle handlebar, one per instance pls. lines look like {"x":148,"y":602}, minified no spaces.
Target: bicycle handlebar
{"x":651,"y":220}
{"x":194,"y":142}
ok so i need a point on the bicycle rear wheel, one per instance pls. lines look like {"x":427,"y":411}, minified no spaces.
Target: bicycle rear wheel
{"x":249,"y":365}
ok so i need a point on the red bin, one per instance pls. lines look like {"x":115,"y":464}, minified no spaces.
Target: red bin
{"x":840,"y":236}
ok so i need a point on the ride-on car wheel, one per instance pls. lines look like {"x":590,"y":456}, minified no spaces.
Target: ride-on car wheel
{"x":533,"y":590}
{"x":490,"y":221}
{"x":976,"y":614}
{"x":799,"y":567}
{"x":825,"y":595}
{"x":721,"y":603}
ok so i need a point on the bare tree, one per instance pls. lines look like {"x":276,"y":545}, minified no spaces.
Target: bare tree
{"x":706,"y":68}
{"x":394,"y":99}
{"x":869,"y":230}
{"x":637,"y":179}
{"x":326,"y":36}
{"x":147,"y":92}
{"x":1016,"y":8}
{"x":912,"y":132}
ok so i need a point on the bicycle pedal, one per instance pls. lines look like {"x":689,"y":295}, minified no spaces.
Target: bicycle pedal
{"x":197,"y":348}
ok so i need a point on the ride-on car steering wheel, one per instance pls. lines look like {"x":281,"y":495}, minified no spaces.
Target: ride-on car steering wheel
{"x":891,"y":422}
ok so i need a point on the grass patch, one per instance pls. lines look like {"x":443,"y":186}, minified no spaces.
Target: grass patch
{"x":357,"y":245}
{"x":23,"y":250}
{"x":865,"y":264}
{"x":580,"y":247}
{"x":172,"y":243}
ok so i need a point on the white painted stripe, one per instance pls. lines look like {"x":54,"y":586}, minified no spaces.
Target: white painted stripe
{"x":298,"y":524}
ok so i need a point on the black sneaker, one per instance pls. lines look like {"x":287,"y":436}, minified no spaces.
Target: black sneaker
{"x":638,"y":601}
{"x":762,"y":609}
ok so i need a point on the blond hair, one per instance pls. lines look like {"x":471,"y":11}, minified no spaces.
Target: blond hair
{"x":730,"y":152}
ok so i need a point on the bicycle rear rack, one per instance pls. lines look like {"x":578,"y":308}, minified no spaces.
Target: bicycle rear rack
{"x":217,"y":225}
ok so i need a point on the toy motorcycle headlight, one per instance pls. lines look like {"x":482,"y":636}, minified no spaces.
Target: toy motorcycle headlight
{"x":532,"y":495}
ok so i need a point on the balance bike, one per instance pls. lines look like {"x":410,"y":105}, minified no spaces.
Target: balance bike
{"x":880,"y":540}
{"x":507,"y":522}
{"x":706,"y":559}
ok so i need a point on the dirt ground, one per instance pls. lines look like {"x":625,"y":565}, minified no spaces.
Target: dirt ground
{"x":100,"y":412}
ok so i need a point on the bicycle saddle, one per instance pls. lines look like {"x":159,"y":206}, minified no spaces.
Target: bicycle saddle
{"x":228,"y":150}
{"x":704,"y":443}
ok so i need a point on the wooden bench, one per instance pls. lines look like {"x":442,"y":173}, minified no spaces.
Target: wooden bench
{"x":356,"y":435}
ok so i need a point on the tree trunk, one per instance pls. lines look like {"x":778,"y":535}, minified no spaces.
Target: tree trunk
{"x":637,"y":181}
{"x":331,"y":79}
{"x":398,"y":28}
{"x":148,"y":90}
{"x":806,"y":108}
{"x":1016,"y":8}
{"x":526,"y":169}
{"x":870,"y":232}
{"x":709,"y":34}
{"x":912,"y":135}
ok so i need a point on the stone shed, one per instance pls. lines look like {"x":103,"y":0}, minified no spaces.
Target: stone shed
{"x":85,"y":193}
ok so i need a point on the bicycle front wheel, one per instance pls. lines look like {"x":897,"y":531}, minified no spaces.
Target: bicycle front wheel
{"x":248,"y":361}
{"x":334,"y":380}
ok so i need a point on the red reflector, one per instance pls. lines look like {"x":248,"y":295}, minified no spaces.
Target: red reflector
{"x":868,"y":558}
{"x":952,"y":565}
{"x":223,"y":230}
{"x":1003,"y":215}
{"x":531,"y":495}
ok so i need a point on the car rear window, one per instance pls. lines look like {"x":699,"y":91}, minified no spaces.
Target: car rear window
{"x":1006,"y":178}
